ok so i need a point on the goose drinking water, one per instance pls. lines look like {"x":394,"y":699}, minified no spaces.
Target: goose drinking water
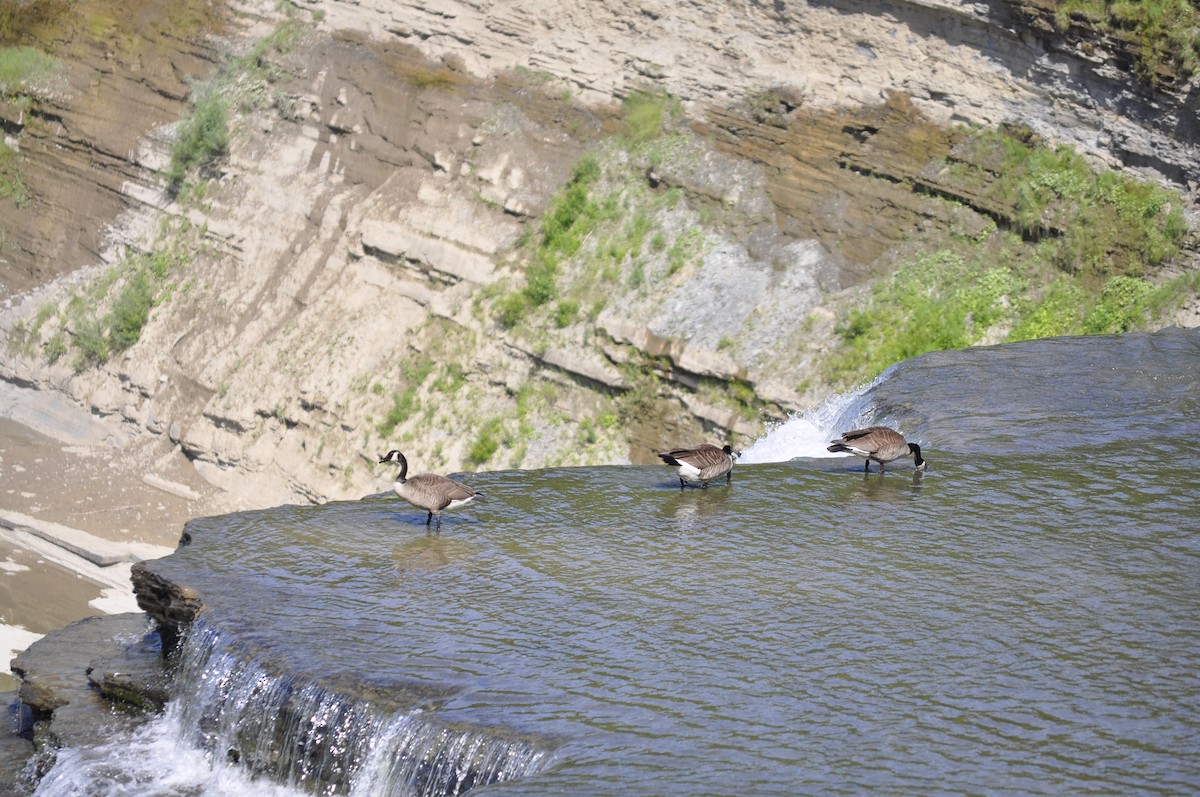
{"x":428,"y":491}
{"x":878,"y":443}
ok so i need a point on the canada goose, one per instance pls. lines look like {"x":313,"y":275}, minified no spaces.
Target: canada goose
{"x":701,"y":464}
{"x":878,"y":443}
{"x":428,"y":491}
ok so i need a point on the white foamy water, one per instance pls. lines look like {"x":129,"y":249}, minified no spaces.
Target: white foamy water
{"x":808,"y":434}
{"x":152,"y":762}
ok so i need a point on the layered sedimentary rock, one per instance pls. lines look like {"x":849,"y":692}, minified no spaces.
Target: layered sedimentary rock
{"x":379,"y":184}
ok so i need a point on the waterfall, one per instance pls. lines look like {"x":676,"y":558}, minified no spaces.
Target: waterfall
{"x":314,"y":738}
{"x":807,"y":434}
{"x":809,"y":629}
{"x":233,"y":728}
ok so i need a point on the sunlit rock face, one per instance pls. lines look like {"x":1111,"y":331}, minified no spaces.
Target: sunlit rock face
{"x":371,"y":208}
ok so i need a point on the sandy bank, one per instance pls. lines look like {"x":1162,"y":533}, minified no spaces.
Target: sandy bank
{"x":81,"y":500}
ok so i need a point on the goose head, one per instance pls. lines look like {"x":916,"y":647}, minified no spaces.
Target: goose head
{"x":392,"y":456}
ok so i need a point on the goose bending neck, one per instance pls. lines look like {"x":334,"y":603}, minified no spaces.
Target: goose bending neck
{"x":916,"y":452}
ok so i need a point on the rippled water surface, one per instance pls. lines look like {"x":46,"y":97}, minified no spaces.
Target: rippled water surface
{"x":1023,"y":618}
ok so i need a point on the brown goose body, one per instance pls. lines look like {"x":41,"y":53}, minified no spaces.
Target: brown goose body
{"x":877,"y":443}
{"x":428,"y":491}
{"x":701,"y":464}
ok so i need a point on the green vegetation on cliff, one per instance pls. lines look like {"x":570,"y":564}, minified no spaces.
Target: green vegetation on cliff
{"x":1163,"y":35}
{"x":1059,"y":248}
{"x":1081,"y":255}
{"x":1094,"y":223}
{"x":129,"y":290}
{"x":943,"y":300}
{"x":23,"y":18}
{"x":201,"y":139}
{"x":22,"y":70}
{"x":203,"y":136}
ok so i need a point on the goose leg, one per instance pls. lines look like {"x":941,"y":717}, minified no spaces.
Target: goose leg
{"x":681,"y":483}
{"x":430,"y":518}
{"x":867,"y":466}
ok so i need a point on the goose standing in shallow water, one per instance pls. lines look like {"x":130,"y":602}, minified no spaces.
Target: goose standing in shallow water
{"x":701,"y":464}
{"x":428,"y":491}
{"x":878,"y":443}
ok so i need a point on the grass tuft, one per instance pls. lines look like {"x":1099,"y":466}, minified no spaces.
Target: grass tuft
{"x":201,"y":140}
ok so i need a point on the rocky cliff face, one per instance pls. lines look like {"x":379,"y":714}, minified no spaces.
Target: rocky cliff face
{"x":334,"y":292}
{"x":123,"y":73}
{"x":977,"y":63}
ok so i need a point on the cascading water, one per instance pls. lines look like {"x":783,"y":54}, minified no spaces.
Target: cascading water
{"x":1021,"y":619}
{"x":312,"y":737}
{"x":808,"y":434}
{"x":241,"y":729}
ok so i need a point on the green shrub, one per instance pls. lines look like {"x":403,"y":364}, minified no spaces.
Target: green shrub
{"x":511,"y":309}
{"x":646,"y":113}
{"x":686,"y":246}
{"x":541,"y":281}
{"x":404,"y":405}
{"x":130,"y":313}
{"x":407,"y":402}
{"x":1099,"y":223}
{"x":1071,"y":261}
{"x":452,"y":380}
{"x":11,"y":185}
{"x":935,"y":302}
{"x":282,"y":39}
{"x":417,"y":370}
{"x":201,"y":140}
{"x":1122,"y":306}
{"x":571,"y":217}
{"x":56,"y":347}
{"x":22,"y":67}
{"x":486,"y":443}
{"x":1165,"y":34}
{"x":91,"y":343}
{"x":985,"y":298}
{"x":572,"y":213}
{"x":1059,"y":311}
{"x":586,"y":434}
{"x":565,"y":313}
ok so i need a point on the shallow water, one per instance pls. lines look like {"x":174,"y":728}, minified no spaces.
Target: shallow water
{"x":1022,"y":618}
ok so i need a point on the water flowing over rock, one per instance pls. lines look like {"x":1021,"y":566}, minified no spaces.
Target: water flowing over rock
{"x":599,"y":630}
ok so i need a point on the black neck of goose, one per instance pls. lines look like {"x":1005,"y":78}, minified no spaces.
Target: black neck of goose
{"x":403,"y":468}
{"x":916,"y":452}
